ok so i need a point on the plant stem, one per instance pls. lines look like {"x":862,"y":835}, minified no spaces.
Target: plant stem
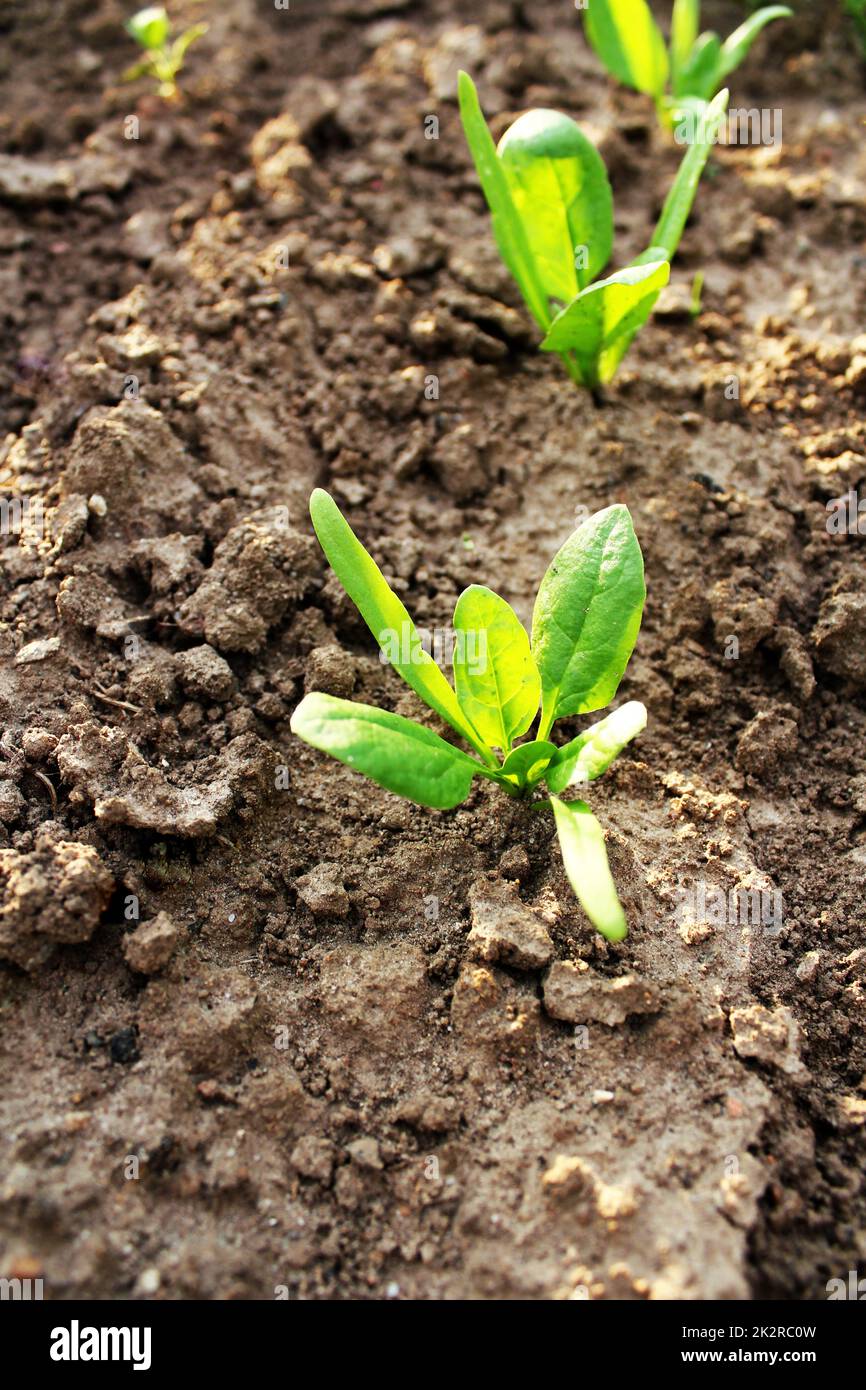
{"x":570,"y":363}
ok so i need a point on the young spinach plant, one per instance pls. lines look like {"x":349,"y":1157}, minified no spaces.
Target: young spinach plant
{"x":152,"y":29}
{"x":552,"y":211}
{"x":628,"y":41}
{"x":585,"y":623}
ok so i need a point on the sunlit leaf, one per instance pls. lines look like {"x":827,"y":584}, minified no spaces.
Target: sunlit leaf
{"x":560,"y":190}
{"x":593,"y":751}
{"x":600,"y":323}
{"x":497,"y":682}
{"x":629,"y":42}
{"x":150,"y":27}
{"x":584,"y":855}
{"x":396,"y":753}
{"x":386,"y":616}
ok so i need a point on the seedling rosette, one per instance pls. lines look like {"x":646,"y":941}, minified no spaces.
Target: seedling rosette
{"x":585,"y":623}
{"x":552,"y":211}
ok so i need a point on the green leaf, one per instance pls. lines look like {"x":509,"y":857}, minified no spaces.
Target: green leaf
{"x":144,"y":68}
{"x":584,"y":855}
{"x":150,"y":27}
{"x":394,"y":752}
{"x":857,"y":10}
{"x":560,"y":190}
{"x":527,"y":762}
{"x":629,"y":43}
{"x":678,"y":204}
{"x":700,"y":75}
{"x":685,"y":22}
{"x":386,"y":617}
{"x":593,"y":751}
{"x":737,"y":44}
{"x":507,"y":226}
{"x":182,"y":43}
{"x":497,"y":682}
{"x":587,"y":616}
{"x":600,"y":323}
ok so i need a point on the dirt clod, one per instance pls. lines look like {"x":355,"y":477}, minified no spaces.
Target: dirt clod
{"x":504,"y":930}
{"x":765,"y":742}
{"x":323,"y":891}
{"x":770,"y":1036}
{"x":55,"y":893}
{"x":204,"y":674}
{"x":840,"y":634}
{"x":580,"y":996}
{"x":151,"y":946}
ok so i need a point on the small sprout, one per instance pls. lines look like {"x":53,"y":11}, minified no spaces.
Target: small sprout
{"x":628,"y":41}
{"x":152,"y":29}
{"x":585,"y":623}
{"x":552,"y":210}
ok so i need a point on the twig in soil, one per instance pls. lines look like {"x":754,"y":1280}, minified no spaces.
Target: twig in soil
{"x":118,"y":704}
{"x":48,"y":783}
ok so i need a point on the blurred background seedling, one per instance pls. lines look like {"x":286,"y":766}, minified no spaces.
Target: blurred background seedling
{"x":684,"y":75}
{"x":856,"y":9}
{"x":151,"y":28}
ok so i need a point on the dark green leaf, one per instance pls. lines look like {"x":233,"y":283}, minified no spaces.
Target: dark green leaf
{"x":699,"y":77}
{"x":587,"y":616}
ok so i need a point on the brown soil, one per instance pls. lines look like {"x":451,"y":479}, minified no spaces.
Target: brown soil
{"x":290,"y":1075}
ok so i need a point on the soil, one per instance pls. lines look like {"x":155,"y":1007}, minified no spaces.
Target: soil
{"x":248,"y":1047}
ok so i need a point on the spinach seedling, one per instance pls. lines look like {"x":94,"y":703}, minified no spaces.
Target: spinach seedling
{"x":152,"y":29}
{"x":552,"y":210}
{"x":628,"y":41}
{"x":585,"y":623}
